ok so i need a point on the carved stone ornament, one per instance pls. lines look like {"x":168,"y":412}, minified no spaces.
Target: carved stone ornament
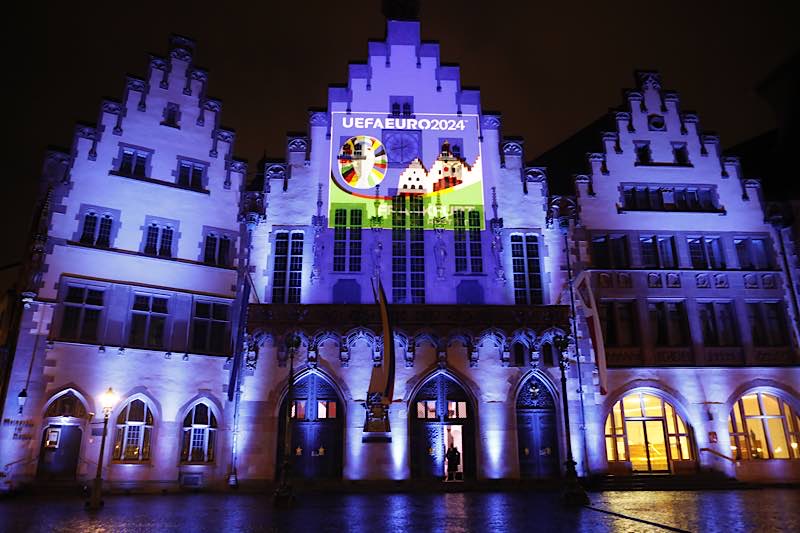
{"x":490,"y":122}
{"x":750,"y":281}
{"x":440,"y":254}
{"x":275,"y":172}
{"x":654,"y":280}
{"x":701,"y":281}
{"x":673,"y":280}
{"x":512,"y":148}
{"x":319,"y":118}
{"x":768,"y":281}
{"x":721,"y":281}
{"x":297,"y":144}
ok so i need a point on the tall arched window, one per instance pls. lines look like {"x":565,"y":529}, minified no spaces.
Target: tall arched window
{"x":647,"y":431}
{"x":764,"y":426}
{"x":134,"y":432}
{"x":199,"y":434}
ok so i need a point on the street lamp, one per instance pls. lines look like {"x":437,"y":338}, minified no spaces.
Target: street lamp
{"x":573,"y":492}
{"x":107,"y":401}
{"x":22,"y":397}
{"x":284,"y":493}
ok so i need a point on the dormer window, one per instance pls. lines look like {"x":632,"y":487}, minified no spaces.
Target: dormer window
{"x":681,"y":154}
{"x":171,"y":115}
{"x":643,"y":154}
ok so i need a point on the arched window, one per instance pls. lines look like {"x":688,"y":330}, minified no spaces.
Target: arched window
{"x":134,"y":432}
{"x":66,"y":405}
{"x":199,"y":433}
{"x":647,"y":431}
{"x":547,"y":354}
{"x":763,"y":426}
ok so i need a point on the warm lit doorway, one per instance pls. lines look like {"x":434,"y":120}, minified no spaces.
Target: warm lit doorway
{"x":646,"y":432}
{"x":442,"y":431}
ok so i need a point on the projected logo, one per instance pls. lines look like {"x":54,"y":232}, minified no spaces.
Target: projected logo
{"x":377,"y":159}
{"x":362,"y":162}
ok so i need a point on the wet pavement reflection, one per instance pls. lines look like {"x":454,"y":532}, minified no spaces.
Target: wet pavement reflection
{"x":713,"y":511}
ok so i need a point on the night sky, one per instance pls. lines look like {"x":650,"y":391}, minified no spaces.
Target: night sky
{"x":549,"y":67}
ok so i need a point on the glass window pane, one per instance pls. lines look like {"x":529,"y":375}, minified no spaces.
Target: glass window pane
{"x":685,"y":449}
{"x":322,"y":409}
{"x":609,"y":429}
{"x":621,"y":449}
{"x":657,"y":446}
{"x":777,"y":436}
{"x":332,"y":409}
{"x":462,"y":409}
{"x":652,"y":405}
{"x":420,"y":409}
{"x":136,"y":411}
{"x":673,"y":448}
{"x":771,"y":406}
{"x":431,"y":409}
{"x":610,"y":448}
{"x":681,"y":426}
{"x":751,"y":407}
{"x":757,"y":439}
{"x":632,"y":406}
{"x":618,"y":415}
{"x":636,"y":445}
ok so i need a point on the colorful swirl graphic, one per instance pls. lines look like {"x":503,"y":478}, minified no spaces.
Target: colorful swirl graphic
{"x":362,"y":162}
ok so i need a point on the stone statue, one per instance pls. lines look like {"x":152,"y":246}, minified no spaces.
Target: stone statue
{"x":440,"y":253}
{"x":377,"y":250}
{"x":497,"y":252}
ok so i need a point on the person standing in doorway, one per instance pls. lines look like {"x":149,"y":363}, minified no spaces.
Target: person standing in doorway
{"x":453,"y":462}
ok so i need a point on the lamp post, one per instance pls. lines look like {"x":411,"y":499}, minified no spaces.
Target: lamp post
{"x":573,"y":492}
{"x":107,"y":401}
{"x":284,"y":493}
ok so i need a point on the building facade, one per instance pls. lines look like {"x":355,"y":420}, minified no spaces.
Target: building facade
{"x":238,"y":322}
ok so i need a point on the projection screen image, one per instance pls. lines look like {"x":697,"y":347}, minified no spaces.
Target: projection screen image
{"x":376,"y":157}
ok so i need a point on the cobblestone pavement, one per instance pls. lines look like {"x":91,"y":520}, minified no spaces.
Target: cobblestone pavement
{"x":724,"y":511}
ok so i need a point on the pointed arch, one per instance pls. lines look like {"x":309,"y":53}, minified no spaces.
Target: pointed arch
{"x":61,"y":394}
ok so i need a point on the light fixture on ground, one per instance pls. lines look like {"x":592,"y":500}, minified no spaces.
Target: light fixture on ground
{"x":107,"y":401}
{"x":284,"y":494}
{"x":573,"y":491}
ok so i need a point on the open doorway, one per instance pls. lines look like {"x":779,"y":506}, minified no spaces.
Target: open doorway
{"x":454,"y":453}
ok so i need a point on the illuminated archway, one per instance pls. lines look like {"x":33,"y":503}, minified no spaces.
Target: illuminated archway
{"x":763,"y":425}
{"x":65,"y":417}
{"x":442,"y":419}
{"x":646,"y":430}
{"x":317,"y":414}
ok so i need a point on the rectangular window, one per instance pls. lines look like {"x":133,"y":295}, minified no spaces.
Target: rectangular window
{"x":96,"y":230}
{"x":668,"y":323}
{"x":133,"y":162}
{"x":753,"y":253}
{"x":718,"y":324}
{"x":610,"y":251}
{"x":668,"y":198}
{"x":427,"y":409}
{"x":191,"y":175}
{"x":527,"y":270}
{"x":767,"y":324}
{"x":287,"y":274}
{"x":148,"y":321}
{"x":657,"y":251}
{"x":347,"y":240}
{"x":618,"y":322}
{"x":82,"y":309}
{"x":158,"y":240}
{"x":467,"y":241}
{"x":299,"y":409}
{"x":408,"y":250}
{"x":210,"y":327}
{"x":216,"y":249}
{"x":706,"y":253}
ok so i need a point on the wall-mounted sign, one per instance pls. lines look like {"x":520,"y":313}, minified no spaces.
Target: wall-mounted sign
{"x":376,"y":158}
